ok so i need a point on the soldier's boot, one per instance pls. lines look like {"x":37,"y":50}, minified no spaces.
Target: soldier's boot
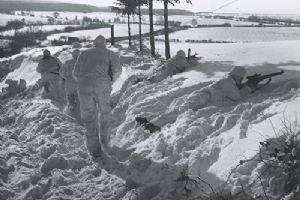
{"x":93,"y":140}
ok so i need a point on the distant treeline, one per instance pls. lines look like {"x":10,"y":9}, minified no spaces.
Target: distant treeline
{"x":270,"y":20}
{"x":8,"y":6}
{"x":193,"y":41}
{"x":14,"y":5}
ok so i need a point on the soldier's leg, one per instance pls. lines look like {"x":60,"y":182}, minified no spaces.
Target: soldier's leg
{"x":46,"y":89}
{"x":71,"y":103}
{"x":103,"y":97}
{"x":88,"y":112}
{"x":55,"y":88}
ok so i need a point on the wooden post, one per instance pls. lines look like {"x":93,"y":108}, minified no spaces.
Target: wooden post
{"x":112,"y":33}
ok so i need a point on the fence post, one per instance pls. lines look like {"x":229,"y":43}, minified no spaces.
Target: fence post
{"x":112,"y":33}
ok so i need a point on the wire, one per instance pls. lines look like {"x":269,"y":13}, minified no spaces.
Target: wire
{"x":225,"y":5}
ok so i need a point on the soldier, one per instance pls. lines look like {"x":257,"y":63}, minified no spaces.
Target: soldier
{"x":95,"y":71}
{"x":49,"y":68}
{"x":222,"y":90}
{"x":173,"y":66}
{"x":230,"y":88}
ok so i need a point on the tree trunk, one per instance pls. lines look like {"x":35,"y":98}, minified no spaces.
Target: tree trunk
{"x":152,"y":42}
{"x":140,"y":28}
{"x":167,"y":42}
{"x":129,"y":31}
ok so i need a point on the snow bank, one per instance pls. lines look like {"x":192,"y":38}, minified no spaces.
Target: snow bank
{"x":52,"y":160}
{"x":43,"y":156}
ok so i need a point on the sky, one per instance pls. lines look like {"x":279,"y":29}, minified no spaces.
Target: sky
{"x":239,"y":6}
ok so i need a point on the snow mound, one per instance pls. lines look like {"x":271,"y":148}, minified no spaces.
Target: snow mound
{"x":208,"y":142}
{"x":43,"y":156}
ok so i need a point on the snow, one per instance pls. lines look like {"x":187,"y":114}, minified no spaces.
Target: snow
{"x":187,"y":20}
{"x":207,"y":142}
{"x":244,"y":54}
{"x":120,"y":31}
{"x":237,"y":34}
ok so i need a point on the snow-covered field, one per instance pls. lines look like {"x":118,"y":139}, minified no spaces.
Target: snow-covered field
{"x":236,"y":34}
{"x":187,"y":20}
{"x":36,"y":28}
{"x":120,"y":31}
{"x":50,"y":160}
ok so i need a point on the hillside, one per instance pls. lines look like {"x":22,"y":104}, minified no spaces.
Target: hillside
{"x":7,"y":6}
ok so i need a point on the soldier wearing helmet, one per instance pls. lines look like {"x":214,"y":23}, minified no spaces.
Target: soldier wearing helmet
{"x":95,"y":71}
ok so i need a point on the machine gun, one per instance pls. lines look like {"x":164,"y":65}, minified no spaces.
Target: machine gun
{"x":254,"y":80}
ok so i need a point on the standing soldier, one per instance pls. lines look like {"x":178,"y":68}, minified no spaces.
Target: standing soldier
{"x":73,"y":106}
{"x":95,"y":70}
{"x":49,"y":68}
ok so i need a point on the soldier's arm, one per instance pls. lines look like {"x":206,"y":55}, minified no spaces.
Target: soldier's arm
{"x":62,"y":71}
{"x":115,"y":65}
{"x":39,"y":67}
{"x":230,"y":90}
{"x":77,"y":67}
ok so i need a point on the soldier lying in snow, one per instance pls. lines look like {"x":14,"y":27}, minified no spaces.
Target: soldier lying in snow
{"x":175,"y":65}
{"x":229,"y":88}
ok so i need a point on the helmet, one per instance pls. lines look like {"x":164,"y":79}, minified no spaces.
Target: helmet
{"x":180,"y":54}
{"x":100,"y":41}
{"x":46,"y":52}
{"x":75,"y":53}
{"x":238,"y":72}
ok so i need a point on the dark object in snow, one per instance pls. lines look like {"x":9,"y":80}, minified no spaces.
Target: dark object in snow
{"x":254,"y":80}
{"x":147,"y":125}
{"x":73,"y":39}
{"x":191,"y":56}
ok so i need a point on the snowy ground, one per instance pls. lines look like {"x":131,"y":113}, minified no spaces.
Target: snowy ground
{"x":207,"y":142}
{"x":236,"y":34}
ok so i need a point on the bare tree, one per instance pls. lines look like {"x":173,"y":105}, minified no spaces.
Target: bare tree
{"x":126,"y":8}
{"x":152,"y":41}
{"x":166,"y":24}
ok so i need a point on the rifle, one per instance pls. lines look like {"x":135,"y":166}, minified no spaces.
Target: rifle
{"x":255,"y":79}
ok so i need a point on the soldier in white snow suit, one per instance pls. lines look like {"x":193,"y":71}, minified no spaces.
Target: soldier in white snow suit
{"x":73,"y":105}
{"x":95,"y":70}
{"x":49,"y":68}
{"x":173,"y":66}
{"x":226,"y":89}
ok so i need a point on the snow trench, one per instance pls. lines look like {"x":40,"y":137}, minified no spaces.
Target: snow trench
{"x":43,"y":153}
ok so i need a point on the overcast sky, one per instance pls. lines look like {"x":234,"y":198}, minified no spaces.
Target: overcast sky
{"x":240,"y":6}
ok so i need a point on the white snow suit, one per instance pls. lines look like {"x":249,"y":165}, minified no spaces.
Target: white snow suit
{"x":94,"y":71}
{"x":173,"y":66}
{"x":52,"y":82}
{"x":222,"y":90}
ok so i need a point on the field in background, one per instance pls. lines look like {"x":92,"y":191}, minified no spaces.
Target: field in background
{"x":237,"y":34}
